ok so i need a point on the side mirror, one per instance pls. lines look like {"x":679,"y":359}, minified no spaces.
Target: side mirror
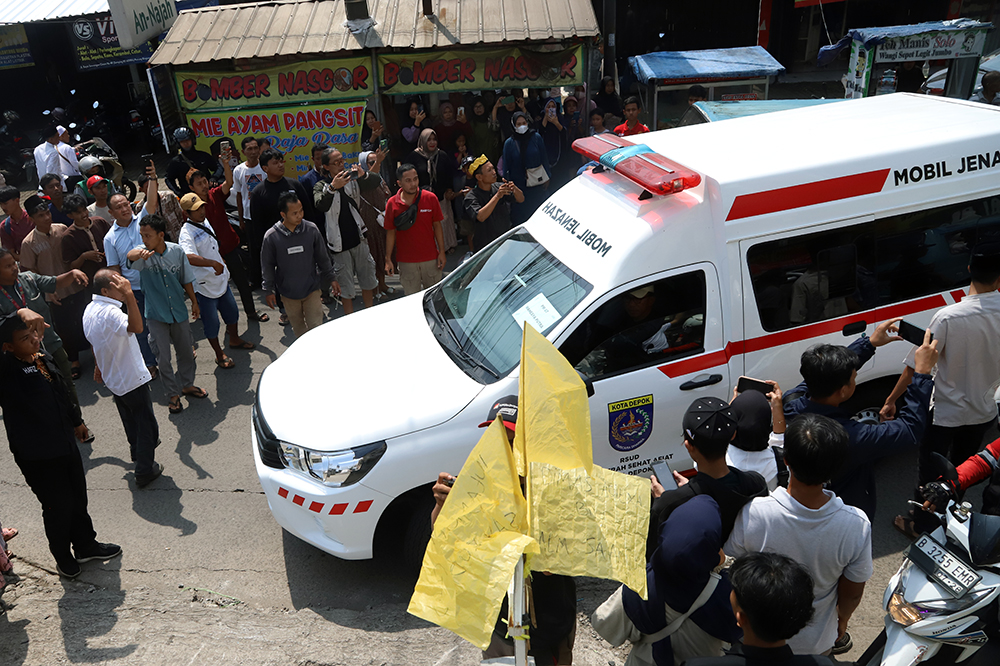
{"x":96,"y":104}
{"x":46,"y":112}
{"x":72,"y":125}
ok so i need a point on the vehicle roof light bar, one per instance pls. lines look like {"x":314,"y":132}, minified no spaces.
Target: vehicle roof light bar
{"x":637,"y":162}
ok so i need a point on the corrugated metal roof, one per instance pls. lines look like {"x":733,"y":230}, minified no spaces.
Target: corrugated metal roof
{"x":293,"y":27}
{"x":26,"y":11}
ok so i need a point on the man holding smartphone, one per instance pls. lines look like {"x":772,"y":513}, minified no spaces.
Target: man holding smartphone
{"x":489,"y":202}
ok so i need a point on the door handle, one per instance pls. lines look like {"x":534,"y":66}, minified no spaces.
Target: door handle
{"x":698,"y":383}
{"x":855,"y":327}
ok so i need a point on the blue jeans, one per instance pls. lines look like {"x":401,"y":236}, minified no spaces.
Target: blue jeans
{"x":211,"y":308}
{"x":148,"y":357}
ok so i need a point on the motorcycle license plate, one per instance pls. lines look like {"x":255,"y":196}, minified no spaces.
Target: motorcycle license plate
{"x":943,"y":567}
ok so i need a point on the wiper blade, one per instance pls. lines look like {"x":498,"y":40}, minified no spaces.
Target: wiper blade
{"x":458,"y":349}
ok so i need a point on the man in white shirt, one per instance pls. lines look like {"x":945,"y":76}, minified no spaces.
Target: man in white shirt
{"x":119,"y":362}
{"x":814,"y":527}
{"x":211,"y":283}
{"x":963,"y":405}
{"x":247,"y":176}
{"x":47,"y":155}
{"x":69,"y":166}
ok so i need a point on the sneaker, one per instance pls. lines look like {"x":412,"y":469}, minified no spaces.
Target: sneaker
{"x":69,"y":568}
{"x":146,"y":479}
{"x":843,"y":644}
{"x":100,"y":551}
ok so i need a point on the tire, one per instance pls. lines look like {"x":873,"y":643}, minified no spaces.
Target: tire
{"x":129,"y":189}
{"x":417,"y":531}
{"x":873,"y":655}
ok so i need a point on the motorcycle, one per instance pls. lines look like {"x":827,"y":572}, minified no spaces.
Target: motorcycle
{"x":943,"y":604}
{"x":110,"y":164}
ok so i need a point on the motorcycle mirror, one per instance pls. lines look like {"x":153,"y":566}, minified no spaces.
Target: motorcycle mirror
{"x":73,"y":91}
{"x":46,"y":112}
{"x":942,"y":467}
{"x":76,"y":136}
{"x":72,"y":125}
{"x":96,"y":104}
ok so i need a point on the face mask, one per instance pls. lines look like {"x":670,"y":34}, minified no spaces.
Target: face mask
{"x":521,"y":129}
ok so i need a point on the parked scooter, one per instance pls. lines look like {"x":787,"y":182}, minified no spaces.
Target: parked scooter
{"x":943,"y":604}
{"x":110,"y":164}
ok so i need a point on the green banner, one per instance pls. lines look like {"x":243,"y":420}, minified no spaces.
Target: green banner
{"x":458,"y":69}
{"x":311,"y":81}
{"x":290,"y":129}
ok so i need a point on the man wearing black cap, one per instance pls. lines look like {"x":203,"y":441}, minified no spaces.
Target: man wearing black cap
{"x":709,"y":425}
{"x":552,"y":597}
{"x":968,"y":368}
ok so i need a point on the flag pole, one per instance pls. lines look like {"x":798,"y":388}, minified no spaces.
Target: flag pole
{"x":517,"y":630}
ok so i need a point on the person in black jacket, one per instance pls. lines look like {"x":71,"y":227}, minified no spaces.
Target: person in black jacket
{"x":709,"y":426}
{"x":42,"y":424}
{"x":773,"y":600}
{"x":830,"y":373}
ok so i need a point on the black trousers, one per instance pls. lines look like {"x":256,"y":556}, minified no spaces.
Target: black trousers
{"x":68,"y":320}
{"x":141,"y":429}
{"x":60,"y":485}
{"x":956,"y":444}
{"x":238,"y":272}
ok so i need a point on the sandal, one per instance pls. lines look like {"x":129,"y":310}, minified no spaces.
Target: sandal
{"x":904,"y":525}
{"x":175,"y":405}
{"x":76,"y":372}
{"x":283,"y":320}
{"x":225,"y":363}
{"x":243,"y":344}
{"x":195,"y":392}
{"x":261,"y":316}
{"x":9,"y":533}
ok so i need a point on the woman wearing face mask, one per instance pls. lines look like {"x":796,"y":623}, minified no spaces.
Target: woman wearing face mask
{"x":526,"y":163}
{"x":437,"y":173}
{"x":372,"y":207}
{"x":484,"y":138}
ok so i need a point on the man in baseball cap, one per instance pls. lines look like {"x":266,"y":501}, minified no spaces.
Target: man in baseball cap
{"x":506,"y":409}
{"x":100,"y":189}
{"x":707,"y":427}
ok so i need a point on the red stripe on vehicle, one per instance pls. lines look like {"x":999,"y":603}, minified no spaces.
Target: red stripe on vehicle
{"x":958,"y":295}
{"x":807,"y":194}
{"x":363,"y":506}
{"x":316,"y":507}
{"x":298,"y":499}
{"x":338,"y":509}
{"x":282,"y":492}
{"x":714,"y":359}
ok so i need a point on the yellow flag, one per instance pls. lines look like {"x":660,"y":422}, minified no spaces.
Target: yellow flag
{"x":478,"y":537}
{"x":590,"y":525}
{"x":553,"y":415}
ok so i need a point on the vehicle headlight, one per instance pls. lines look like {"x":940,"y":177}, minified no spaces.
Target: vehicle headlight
{"x":907,"y":613}
{"x":333,"y":468}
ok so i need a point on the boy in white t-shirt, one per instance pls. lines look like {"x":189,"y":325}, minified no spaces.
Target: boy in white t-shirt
{"x":814,"y":527}
{"x":247,"y":176}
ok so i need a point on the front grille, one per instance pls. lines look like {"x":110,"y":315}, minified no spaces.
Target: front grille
{"x":267,"y":443}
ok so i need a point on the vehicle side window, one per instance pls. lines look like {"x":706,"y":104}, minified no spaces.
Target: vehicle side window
{"x":646,"y":325}
{"x":815,"y":277}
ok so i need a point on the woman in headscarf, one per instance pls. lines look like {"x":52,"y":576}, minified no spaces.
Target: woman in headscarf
{"x":450,"y":127}
{"x":553,"y":130}
{"x":372,"y":212}
{"x":417,"y":116}
{"x":526,"y":163}
{"x":608,"y":99}
{"x":437,"y":174}
{"x":371,"y":132}
{"x":484,"y":138}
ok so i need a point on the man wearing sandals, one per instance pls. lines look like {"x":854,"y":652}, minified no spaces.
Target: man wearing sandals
{"x":167,"y":278}
{"x":112,"y":333}
{"x":211,"y":283}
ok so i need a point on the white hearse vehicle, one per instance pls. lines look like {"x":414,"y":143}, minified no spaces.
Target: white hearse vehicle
{"x":776,"y":232}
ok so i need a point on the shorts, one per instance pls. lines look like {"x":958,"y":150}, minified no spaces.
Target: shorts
{"x":418,"y":275}
{"x":358,"y":260}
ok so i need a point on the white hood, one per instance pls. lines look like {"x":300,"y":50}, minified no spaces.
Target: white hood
{"x":372,"y":375}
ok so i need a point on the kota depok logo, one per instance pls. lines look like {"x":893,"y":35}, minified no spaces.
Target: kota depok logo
{"x":630,"y":422}
{"x":83,"y":29}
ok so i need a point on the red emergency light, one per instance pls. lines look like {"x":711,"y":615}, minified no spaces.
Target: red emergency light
{"x":637,"y":162}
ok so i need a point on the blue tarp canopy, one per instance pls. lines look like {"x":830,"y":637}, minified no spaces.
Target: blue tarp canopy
{"x":715,"y":111}
{"x":748,"y":62}
{"x":871,"y":37}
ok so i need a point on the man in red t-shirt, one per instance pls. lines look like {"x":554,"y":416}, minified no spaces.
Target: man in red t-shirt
{"x":226,"y":236}
{"x":631,"y":125}
{"x":418,"y":247}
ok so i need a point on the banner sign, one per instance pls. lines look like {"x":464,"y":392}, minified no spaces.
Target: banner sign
{"x":141,"y":20}
{"x":859,"y":71}
{"x":291,"y":129}
{"x":932,"y":45}
{"x":314,"y":80}
{"x":14,"y":47}
{"x":95,"y":44}
{"x":402,"y":73}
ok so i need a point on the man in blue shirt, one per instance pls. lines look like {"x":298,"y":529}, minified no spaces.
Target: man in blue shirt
{"x":124,"y":236}
{"x":168,"y":277}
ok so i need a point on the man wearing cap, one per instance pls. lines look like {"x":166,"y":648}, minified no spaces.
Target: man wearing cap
{"x":552,"y":598}
{"x":211,"y":278}
{"x":17,"y":224}
{"x":708,"y":426}
{"x":98,"y":186}
{"x":47,"y":155}
{"x":488,"y":203}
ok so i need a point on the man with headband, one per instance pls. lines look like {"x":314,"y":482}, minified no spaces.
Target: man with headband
{"x":488,"y":203}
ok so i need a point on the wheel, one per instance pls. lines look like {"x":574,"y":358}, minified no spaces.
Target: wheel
{"x":868,"y":416}
{"x":417,"y":531}
{"x":129,"y":189}
{"x":873,"y":655}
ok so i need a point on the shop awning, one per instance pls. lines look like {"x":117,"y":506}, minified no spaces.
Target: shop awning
{"x":301,"y":27}
{"x":666,"y":67}
{"x":871,"y":37}
{"x":28,"y":11}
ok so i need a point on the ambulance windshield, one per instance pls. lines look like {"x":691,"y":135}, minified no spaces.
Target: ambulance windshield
{"x":477,"y":312}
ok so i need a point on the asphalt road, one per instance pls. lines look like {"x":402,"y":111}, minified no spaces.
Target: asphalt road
{"x":207,"y":574}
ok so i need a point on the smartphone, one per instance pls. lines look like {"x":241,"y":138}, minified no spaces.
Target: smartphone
{"x":509,"y":99}
{"x":148,"y":157}
{"x":451,"y":482}
{"x":750,"y":384}
{"x":384,"y":144}
{"x":355,"y":173}
{"x":224,"y":146}
{"x":664,"y":475}
{"x":461,"y":110}
{"x":420,"y":108}
{"x":912,"y":334}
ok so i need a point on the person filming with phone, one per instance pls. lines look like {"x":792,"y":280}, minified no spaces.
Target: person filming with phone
{"x":488,"y":204}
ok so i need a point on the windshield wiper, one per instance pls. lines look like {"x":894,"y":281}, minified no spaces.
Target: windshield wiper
{"x":458,"y":349}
